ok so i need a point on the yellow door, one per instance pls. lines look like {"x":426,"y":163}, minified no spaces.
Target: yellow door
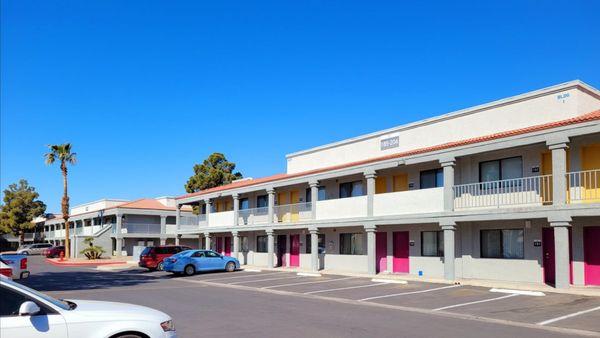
{"x":294,"y":201}
{"x":282,"y":202}
{"x":590,"y":163}
{"x":219,"y":206}
{"x":228,"y":205}
{"x":546,"y":184}
{"x":401,"y":182}
{"x":380,"y":185}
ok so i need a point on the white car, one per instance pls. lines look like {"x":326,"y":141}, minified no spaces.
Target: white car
{"x":5,"y":270}
{"x":25,"y":312}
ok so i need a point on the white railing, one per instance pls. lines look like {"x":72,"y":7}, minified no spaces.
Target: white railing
{"x":49,"y":234}
{"x":191,"y":223}
{"x":289,"y":213}
{"x":141,"y":228}
{"x":28,"y":236}
{"x":584,"y":186}
{"x":526,"y":191}
{"x":253,"y":216}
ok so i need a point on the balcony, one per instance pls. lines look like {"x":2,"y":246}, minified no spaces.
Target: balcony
{"x":220,"y":219}
{"x":253,"y":216}
{"x":522,"y":192}
{"x":349,"y":207}
{"x":191,"y":223}
{"x":409,"y":202}
{"x":583,"y":186}
{"x":140,"y":228}
{"x":289,"y":213}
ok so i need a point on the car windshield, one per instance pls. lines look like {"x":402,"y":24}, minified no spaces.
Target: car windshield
{"x":184,"y":253}
{"x":146,"y":251}
{"x":57,"y":302}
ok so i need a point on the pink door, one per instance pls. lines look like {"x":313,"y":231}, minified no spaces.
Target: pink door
{"x":227,"y":246}
{"x":591,"y":255}
{"x":401,"y":248}
{"x":381,"y":251}
{"x":220,"y":245}
{"x":548,"y":260}
{"x":294,"y":250}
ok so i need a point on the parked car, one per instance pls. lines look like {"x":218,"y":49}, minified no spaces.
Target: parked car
{"x":5,"y":270}
{"x":54,"y":251}
{"x":152,"y":257}
{"x":18,"y":264}
{"x":25,"y":312}
{"x":33,"y":249}
{"x":191,"y":261}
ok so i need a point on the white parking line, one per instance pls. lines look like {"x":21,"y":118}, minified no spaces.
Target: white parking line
{"x":312,"y":282}
{"x":409,"y":293}
{"x":261,"y":280}
{"x":550,"y":321}
{"x":475,"y":302}
{"x":346,"y":288}
{"x":244,"y":276}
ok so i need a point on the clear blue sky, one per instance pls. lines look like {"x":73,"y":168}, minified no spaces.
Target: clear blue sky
{"x":145,"y":89}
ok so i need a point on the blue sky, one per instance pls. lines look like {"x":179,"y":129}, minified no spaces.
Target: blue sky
{"x":145,"y":89}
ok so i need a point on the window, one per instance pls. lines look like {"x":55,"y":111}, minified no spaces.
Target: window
{"x":211,"y":254}
{"x":503,"y":169}
{"x":198,"y":254}
{"x":351,"y":189}
{"x":244,"y":243}
{"x":502,"y":243}
{"x":432,"y":243}
{"x":432,"y":178}
{"x":321,"y":195}
{"x":321,"y":244}
{"x":244,"y":204}
{"x":261,"y":243}
{"x":11,"y":302}
{"x":262,"y":201}
{"x":351,"y":244}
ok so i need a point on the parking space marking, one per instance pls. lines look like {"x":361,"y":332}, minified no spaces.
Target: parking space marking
{"x":475,"y":302}
{"x":311,"y":282}
{"x":346,"y":288}
{"x":244,"y":276}
{"x":409,"y":293}
{"x":261,"y":280}
{"x":550,"y":321}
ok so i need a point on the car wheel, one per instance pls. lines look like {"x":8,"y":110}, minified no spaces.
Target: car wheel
{"x":160,"y":266}
{"x":26,"y":253}
{"x":129,"y":335}
{"x":230,"y":267}
{"x":189,"y":270}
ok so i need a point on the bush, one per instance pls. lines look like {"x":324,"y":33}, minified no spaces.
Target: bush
{"x":92,"y":251}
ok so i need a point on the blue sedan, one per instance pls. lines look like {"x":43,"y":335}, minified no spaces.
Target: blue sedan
{"x":191,"y":261}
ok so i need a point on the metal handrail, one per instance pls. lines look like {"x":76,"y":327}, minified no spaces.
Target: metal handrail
{"x":584,"y":186}
{"x":253,"y":216}
{"x":289,"y":213}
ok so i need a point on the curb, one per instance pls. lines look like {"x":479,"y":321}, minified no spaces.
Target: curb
{"x":67,"y":263}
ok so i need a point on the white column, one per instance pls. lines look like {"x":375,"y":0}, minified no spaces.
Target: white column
{"x":178,"y":216}
{"x":207,"y":240}
{"x":561,"y":254}
{"x":370,"y":176}
{"x":163,"y":224}
{"x":449,"y":228}
{"x":270,"y":248}
{"x":271,"y":206}
{"x":559,"y":172}
{"x":236,"y":209}
{"x":314,"y":249}
{"x":208,"y":203}
{"x":119,"y":235}
{"x":448,"y":167}
{"x":314,"y":197}
{"x":177,"y":238}
{"x":370,"y":230}
{"x":236,"y":243}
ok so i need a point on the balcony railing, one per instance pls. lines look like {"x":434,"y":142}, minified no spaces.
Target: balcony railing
{"x":288,"y":213}
{"x":584,"y":186}
{"x":253,"y":216}
{"x":526,"y":191}
{"x":141,"y":228}
{"x":190,"y":223}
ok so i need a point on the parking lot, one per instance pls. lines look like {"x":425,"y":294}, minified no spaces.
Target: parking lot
{"x":263,"y":303}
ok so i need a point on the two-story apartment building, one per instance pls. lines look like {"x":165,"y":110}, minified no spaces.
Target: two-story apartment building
{"x":507,"y":190}
{"x":117,"y":225}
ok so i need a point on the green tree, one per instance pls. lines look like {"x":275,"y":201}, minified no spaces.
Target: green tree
{"x":213,"y":172}
{"x":63,"y":154}
{"x":20,"y":206}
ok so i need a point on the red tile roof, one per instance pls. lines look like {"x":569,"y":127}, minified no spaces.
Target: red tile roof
{"x":593,"y":116}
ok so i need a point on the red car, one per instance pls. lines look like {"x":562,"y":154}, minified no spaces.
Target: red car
{"x":54,"y":251}
{"x":152,"y":257}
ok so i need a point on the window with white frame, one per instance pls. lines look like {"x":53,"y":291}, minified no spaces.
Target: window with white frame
{"x":432,"y":243}
{"x":505,"y":243}
{"x":261,"y":244}
{"x":352,"y":244}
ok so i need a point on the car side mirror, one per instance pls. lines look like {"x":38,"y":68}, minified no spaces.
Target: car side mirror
{"x":29,"y":308}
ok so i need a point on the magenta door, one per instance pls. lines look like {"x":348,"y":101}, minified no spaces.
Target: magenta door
{"x":227,"y":246}
{"x":220,"y":245}
{"x":591,"y":255}
{"x":548,"y":260}
{"x":381,"y":251}
{"x":294,"y":250}
{"x":401,"y":248}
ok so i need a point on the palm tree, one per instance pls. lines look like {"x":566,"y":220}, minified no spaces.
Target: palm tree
{"x":62,"y":153}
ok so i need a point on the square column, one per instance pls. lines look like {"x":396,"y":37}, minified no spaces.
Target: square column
{"x":314,"y":249}
{"x":236,"y":209}
{"x":208,"y":204}
{"x":119,"y":235}
{"x":448,"y":167}
{"x":559,"y":171}
{"x":370,"y":176}
{"x":371,"y":266}
{"x":177,"y":216}
{"x":270,"y":248}
{"x":236,"y":243}
{"x":177,"y":238}
{"x":207,"y":240}
{"x":449,"y":228}
{"x":163,"y":241}
{"x":271,"y":206}
{"x":314,"y":196}
{"x":200,"y":242}
{"x":163,"y":224}
{"x":561,"y":254}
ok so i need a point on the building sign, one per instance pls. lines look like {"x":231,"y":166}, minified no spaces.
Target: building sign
{"x":390,"y":142}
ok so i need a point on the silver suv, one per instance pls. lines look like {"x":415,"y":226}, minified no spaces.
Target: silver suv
{"x":34,"y":249}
